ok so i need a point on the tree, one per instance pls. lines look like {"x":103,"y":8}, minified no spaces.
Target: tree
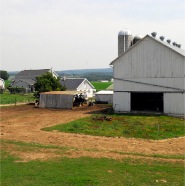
{"x":4,"y":74}
{"x":47,"y":82}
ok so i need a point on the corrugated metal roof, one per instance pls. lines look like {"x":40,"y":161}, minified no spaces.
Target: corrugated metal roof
{"x":33,"y":72}
{"x":73,"y":83}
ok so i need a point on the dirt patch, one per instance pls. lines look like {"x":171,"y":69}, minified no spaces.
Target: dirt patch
{"x":24,"y":123}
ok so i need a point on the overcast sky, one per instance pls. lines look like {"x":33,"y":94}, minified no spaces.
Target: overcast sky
{"x":80,"y":34}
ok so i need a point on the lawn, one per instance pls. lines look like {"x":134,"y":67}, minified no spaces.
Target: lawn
{"x":147,"y":127}
{"x":7,"y":98}
{"x":101,"y":85}
{"x":85,"y":171}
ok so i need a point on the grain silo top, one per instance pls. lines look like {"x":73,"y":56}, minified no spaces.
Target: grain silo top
{"x":62,"y":92}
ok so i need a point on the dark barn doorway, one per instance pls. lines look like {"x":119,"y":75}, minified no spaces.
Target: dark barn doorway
{"x":147,"y":102}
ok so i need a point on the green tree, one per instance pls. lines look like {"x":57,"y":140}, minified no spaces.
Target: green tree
{"x":47,"y":82}
{"x":4,"y":74}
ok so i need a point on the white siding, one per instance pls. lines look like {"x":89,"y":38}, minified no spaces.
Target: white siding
{"x":150,"y":84}
{"x":2,"y":84}
{"x":149,"y":59}
{"x":86,"y":87}
{"x":150,"y":66}
{"x":121,"y":102}
{"x":174,"y":103}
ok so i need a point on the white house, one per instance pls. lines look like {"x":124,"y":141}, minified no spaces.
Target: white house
{"x":27,"y":78}
{"x":79,"y":84}
{"x":150,"y":76}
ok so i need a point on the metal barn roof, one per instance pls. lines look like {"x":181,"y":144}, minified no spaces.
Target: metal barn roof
{"x":33,"y":72}
{"x":73,"y":83}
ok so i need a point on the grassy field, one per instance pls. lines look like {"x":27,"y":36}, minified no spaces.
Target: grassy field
{"x":101,"y":85}
{"x":84,"y":171}
{"x":147,"y":127}
{"x":7,"y":98}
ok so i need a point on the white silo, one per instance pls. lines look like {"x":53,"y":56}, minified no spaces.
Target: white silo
{"x":125,"y":39}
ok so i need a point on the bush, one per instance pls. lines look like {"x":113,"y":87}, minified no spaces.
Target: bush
{"x":14,"y":90}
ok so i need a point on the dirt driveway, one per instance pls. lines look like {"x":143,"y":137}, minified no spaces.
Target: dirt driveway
{"x":24,"y":123}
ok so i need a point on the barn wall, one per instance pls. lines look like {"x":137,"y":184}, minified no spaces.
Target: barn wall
{"x":56,"y":101}
{"x":121,"y":102}
{"x":150,"y":84}
{"x":174,"y":103}
{"x":150,"y":59}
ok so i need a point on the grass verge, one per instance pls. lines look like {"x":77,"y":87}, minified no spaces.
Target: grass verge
{"x":147,"y":127}
{"x":8,"y":98}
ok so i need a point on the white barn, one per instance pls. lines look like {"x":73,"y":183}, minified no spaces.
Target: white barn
{"x":150,"y":76}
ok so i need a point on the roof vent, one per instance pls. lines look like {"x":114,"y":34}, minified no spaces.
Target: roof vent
{"x":168,"y":40}
{"x":154,"y":34}
{"x":174,"y":43}
{"x":179,"y":45}
{"x":161,"y":38}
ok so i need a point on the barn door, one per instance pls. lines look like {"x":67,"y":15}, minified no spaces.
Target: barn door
{"x":147,"y":101}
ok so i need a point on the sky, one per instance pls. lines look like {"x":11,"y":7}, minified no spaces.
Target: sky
{"x":80,"y":34}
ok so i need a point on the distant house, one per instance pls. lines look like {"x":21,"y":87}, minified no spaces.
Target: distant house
{"x":78,"y":84}
{"x":2,"y":84}
{"x":27,"y":78}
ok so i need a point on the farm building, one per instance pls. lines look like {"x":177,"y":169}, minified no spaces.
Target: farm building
{"x":104,"y":96}
{"x":111,"y":87}
{"x":79,"y":84}
{"x":2,"y":84}
{"x":149,"y":75}
{"x":27,"y":78}
{"x":57,"y":99}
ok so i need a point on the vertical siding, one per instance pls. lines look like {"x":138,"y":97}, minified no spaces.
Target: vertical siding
{"x":56,"y":101}
{"x":174,"y":103}
{"x":149,"y":59}
{"x":86,"y":88}
{"x":121,"y":102}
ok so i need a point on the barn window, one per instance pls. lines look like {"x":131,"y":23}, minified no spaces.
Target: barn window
{"x":147,"y":101}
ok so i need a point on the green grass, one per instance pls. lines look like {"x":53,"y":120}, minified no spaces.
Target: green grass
{"x":7,"y":83}
{"x":8,"y":98}
{"x":88,"y":172}
{"x":147,"y":127}
{"x":101,"y":85}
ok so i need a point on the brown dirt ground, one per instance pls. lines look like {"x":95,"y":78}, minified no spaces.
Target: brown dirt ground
{"x":24,"y":123}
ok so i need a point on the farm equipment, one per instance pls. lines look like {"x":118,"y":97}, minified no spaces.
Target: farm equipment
{"x":102,"y":118}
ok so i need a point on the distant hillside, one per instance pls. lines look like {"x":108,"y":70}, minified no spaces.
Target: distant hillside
{"x":90,"y":74}
{"x":84,"y":71}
